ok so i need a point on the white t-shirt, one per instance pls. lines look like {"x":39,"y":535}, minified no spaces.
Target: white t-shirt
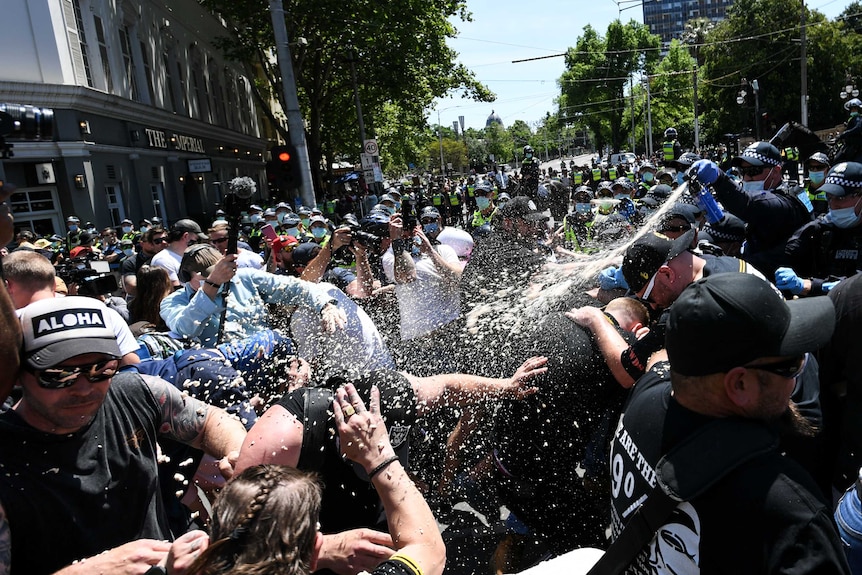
{"x":358,"y":348}
{"x":458,"y":240}
{"x":170,"y":261}
{"x":430,"y":301}
{"x":247,"y":259}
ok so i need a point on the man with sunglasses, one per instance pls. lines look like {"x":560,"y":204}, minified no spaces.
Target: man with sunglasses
{"x":772,"y":208}
{"x":245,"y":258}
{"x":80,"y":448}
{"x":735,"y":348}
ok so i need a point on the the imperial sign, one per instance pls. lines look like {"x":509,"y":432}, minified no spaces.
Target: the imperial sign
{"x":158,"y":139}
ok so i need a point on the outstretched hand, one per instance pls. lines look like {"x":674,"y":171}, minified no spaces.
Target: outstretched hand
{"x":530,"y":369}
{"x":363,"y":434}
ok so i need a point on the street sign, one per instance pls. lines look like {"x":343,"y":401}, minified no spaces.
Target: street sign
{"x":370,"y":147}
{"x":200,"y":166}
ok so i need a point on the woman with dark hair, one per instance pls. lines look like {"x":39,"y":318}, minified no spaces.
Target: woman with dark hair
{"x":266,"y":519}
{"x":154,"y":284}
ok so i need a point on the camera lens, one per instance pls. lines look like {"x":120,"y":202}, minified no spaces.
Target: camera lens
{"x":27,"y":122}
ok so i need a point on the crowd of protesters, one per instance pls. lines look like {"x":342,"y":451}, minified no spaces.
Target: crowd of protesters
{"x":541,"y":342}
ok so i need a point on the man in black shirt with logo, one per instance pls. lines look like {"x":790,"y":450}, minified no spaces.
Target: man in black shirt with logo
{"x":735,"y":349}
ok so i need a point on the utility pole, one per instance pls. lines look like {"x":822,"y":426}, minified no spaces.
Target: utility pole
{"x":696,"y":123}
{"x":295,"y":123}
{"x":804,"y":66}
{"x":649,"y":116}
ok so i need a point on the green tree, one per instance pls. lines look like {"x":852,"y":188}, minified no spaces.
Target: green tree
{"x":499,"y":143}
{"x":759,"y":39}
{"x":399,"y":52}
{"x":597,"y":72}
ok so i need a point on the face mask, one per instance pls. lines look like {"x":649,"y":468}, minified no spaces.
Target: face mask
{"x":305,"y":221}
{"x":129,"y":252}
{"x":621,"y":196}
{"x":528,"y":156}
{"x":854,"y":114}
{"x":293,"y":232}
{"x":255,"y":218}
{"x":73,"y":228}
{"x":754,"y":186}
{"x":318,"y":232}
{"x":389,"y":209}
{"x":144,"y":229}
{"x":127,"y":229}
{"x":648,"y":177}
{"x":281,"y":217}
{"x":680,"y":178}
{"x":845,"y":217}
{"x":398,"y":206}
{"x":583,"y":208}
{"x":482,"y":203}
{"x":430,"y":229}
{"x":817,"y":177}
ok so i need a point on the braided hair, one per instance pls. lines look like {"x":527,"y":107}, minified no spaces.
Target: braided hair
{"x":264,"y":523}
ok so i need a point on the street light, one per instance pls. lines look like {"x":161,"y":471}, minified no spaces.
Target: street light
{"x":849,"y":90}
{"x":740,"y":99}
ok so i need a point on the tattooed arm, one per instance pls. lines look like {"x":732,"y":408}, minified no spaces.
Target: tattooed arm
{"x":191,"y":421}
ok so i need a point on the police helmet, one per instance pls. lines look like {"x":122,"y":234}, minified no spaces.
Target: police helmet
{"x":854,"y":103}
{"x":685,"y":160}
{"x":528,"y":149}
{"x":817,"y":158}
{"x":670,"y":133}
{"x":625,"y":183}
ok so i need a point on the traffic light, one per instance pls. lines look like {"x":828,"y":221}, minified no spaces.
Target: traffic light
{"x":285,"y":167}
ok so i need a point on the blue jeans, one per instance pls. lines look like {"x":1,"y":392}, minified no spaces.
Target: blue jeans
{"x":848,"y":516}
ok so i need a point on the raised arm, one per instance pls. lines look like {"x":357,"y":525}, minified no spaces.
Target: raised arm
{"x":458,"y":389}
{"x":364,"y":439}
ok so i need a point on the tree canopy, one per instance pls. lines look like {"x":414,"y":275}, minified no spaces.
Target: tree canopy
{"x":398,"y":48}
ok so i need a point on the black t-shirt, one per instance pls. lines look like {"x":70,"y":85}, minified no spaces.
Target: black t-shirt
{"x":763,"y":517}
{"x":69,"y":497}
{"x":343,"y":488}
{"x":130,"y":266}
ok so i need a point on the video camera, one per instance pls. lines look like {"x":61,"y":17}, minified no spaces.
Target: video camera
{"x":238,"y":197}
{"x":27,"y":122}
{"x":93,"y":277}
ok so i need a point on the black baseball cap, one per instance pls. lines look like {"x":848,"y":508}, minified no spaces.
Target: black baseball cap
{"x":727,"y":320}
{"x":845,"y":179}
{"x":187,"y":225}
{"x":759,"y":154}
{"x":524,"y":208}
{"x":648,"y":253}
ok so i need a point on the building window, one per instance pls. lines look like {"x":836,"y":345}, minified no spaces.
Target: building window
{"x":169,"y":97}
{"x":37,"y":209}
{"x":148,"y":73}
{"x":103,"y":54}
{"x":78,"y":43}
{"x":128,"y":62}
{"x":114,"y":198}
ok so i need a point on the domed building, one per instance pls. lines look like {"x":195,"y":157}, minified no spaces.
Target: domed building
{"x":494,"y":119}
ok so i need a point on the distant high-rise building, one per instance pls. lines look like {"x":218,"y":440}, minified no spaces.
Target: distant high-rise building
{"x":668,"y":18}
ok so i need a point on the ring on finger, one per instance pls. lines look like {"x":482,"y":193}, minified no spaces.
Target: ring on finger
{"x":348,"y":411}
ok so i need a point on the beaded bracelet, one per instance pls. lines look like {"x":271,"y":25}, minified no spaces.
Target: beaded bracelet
{"x":382,"y":466}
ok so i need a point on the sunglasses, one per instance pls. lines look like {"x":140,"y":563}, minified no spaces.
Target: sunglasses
{"x":788,"y":368}
{"x":159,"y":241}
{"x":58,"y":378}
{"x":752,"y":171}
{"x":649,"y":287}
{"x":680,"y":228}
{"x":219,"y":240}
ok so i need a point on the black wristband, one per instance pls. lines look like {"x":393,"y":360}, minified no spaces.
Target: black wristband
{"x":382,"y":466}
{"x":213,"y":284}
{"x":399,"y":245}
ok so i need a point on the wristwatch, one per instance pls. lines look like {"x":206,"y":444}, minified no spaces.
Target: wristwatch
{"x":156,"y":570}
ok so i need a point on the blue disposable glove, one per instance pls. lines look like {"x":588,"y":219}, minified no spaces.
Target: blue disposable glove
{"x":706,"y":171}
{"x":827,"y":286}
{"x":787,"y":280}
{"x":612,"y":278}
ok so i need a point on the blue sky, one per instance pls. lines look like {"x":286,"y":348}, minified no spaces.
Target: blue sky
{"x":505,"y":30}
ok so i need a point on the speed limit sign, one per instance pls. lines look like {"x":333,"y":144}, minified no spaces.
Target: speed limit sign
{"x":371,"y":147}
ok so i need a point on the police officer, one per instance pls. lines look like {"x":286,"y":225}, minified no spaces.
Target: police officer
{"x":774,"y":209}
{"x":529,"y":173}
{"x":852,"y":135}
{"x":817,"y":165}
{"x":828,"y":249}
{"x":646,"y":175}
{"x":670,"y":148}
